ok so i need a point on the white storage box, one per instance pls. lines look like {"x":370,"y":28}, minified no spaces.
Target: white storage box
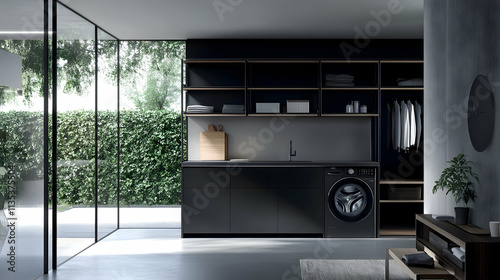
{"x":273,"y":108}
{"x":297,"y":106}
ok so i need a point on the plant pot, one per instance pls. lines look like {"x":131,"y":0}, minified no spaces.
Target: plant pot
{"x":462,"y":215}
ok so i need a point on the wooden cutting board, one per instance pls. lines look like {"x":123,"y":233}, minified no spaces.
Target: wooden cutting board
{"x":213,"y":145}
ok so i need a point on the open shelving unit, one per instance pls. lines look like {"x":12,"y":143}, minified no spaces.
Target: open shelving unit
{"x":206,"y":79}
{"x":236,"y":81}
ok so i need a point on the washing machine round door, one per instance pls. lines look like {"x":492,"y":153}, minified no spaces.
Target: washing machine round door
{"x":350,"y":199}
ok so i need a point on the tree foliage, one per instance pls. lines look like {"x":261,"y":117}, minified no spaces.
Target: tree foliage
{"x":160,"y":63}
{"x":160,"y":60}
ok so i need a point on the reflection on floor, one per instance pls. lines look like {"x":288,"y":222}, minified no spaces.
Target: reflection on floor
{"x":76,"y":226}
{"x":162,"y":254}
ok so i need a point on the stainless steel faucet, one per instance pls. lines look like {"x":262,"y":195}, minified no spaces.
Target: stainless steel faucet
{"x":292,"y":153}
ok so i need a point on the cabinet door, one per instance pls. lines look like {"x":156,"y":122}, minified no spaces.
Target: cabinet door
{"x":301,"y":210}
{"x":255,"y":177}
{"x":254,"y":210}
{"x":205,"y":210}
{"x":301,"y":177}
{"x":205,"y":177}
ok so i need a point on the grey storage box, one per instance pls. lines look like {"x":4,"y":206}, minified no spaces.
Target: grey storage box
{"x":297,"y":106}
{"x":272,"y":108}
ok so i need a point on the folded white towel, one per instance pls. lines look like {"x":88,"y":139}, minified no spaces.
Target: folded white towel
{"x":417,"y":82}
{"x":459,"y":253}
{"x":339,"y":77}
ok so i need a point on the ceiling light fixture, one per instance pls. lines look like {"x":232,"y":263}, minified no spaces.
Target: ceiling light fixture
{"x":23,"y":32}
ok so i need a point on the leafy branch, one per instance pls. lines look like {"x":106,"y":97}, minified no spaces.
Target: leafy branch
{"x":456,"y":180}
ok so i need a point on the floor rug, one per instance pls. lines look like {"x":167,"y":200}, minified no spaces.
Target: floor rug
{"x":312,"y":269}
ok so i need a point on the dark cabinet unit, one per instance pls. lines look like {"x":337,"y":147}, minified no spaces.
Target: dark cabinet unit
{"x":301,"y":210}
{"x":301,"y":203}
{"x":201,"y":177}
{"x":206,"y":200}
{"x":255,"y":178}
{"x":254,"y":200}
{"x":300,"y":178}
{"x":254,"y":210}
{"x":206,"y":214}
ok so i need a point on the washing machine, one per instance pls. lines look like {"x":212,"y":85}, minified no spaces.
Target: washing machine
{"x":350,"y":209}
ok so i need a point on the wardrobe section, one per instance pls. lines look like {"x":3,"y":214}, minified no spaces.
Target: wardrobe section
{"x":401,"y":146}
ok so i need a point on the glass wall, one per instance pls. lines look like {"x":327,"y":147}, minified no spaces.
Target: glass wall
{"x":76,"y":134}
{"x":150,"y":133}
{"x":90,"y":142}
{"x":21,"y":140}
{"x":87,"y":134}
{"x":107,"y":137}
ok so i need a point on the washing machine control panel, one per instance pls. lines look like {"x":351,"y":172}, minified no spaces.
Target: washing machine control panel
{"x":365,"y":171}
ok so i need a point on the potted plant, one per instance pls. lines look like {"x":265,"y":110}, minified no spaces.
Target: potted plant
{"x":456,"y":179}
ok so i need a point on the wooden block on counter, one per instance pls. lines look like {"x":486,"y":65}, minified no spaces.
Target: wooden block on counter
{"x":213,"y":145}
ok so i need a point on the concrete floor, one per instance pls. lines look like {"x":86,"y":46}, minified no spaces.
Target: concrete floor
{"x":163,"y":254}
{"x":76,"y":226}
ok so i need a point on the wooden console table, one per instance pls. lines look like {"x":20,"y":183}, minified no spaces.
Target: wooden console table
{"x":482,"y":251}
{"x":415,"y":273}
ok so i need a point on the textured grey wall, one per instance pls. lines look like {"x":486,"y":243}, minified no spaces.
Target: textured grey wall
{"x":267,"y":138}
{"x":460,"y":42}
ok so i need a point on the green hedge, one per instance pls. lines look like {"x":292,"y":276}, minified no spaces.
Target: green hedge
{"x":150,"y":155}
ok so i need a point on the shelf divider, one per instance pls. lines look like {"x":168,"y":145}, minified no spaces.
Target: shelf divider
{"x":401,"y":88}
{"x":401,"y":182}
{"x":401,"y":201}
{"x":213,"y":115}
{"x":281,"y":115}
{"x":350,"y":115}
{"x":349,"y":88}
{"x":283,"y":88}
{"x":213,"y":88}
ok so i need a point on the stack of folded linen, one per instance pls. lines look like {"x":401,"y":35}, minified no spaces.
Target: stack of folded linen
{"x":415,"y":82}
{"x":198,"y":109}
{"x":459,"y":252}
{"x":340,"y":80}
{"x":233,"y":109}
{"x":418,"y":259}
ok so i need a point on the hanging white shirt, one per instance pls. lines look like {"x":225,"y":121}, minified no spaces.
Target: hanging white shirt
{"x":413,"y":124}
{"x":396,"y":132}
{"x":418,"y":116}
{"x":405,"y":127}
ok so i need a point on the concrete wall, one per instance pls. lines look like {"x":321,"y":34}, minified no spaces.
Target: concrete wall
{"x":267,"y":138}
{"x":461,"y":41}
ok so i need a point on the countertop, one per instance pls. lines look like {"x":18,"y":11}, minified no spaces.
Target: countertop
{"x":227,"y":163}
